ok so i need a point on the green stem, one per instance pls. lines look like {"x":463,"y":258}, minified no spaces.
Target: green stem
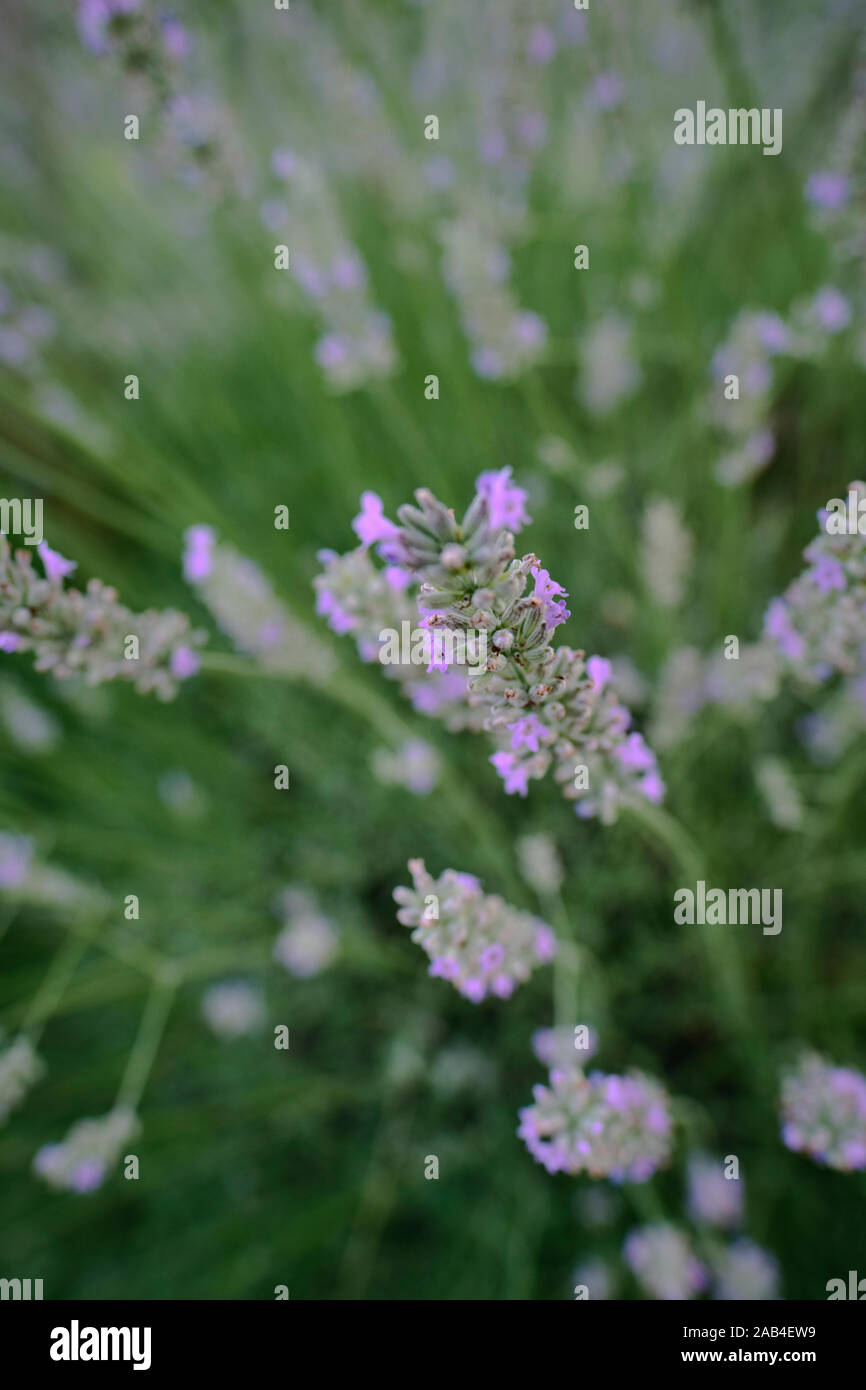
{"x":48,"y":996}
{"x":725,"y":966}
{"x":141,"y":1058}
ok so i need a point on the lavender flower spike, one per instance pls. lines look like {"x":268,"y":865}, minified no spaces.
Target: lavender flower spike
{"x":662,"y":1261}
{"x":819,"y":623}
{"x":544,"y":705}
{"x":616,"y":1127}
{"x":475,"y":940}
{"x":824,"y":1113}
{"x":82,"y":1161}
{"x":87,"y":633}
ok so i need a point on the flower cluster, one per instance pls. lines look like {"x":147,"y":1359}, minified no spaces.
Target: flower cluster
{"x":743,"y":1270}
{"x":505,"y":340}
{"x":819,"y":623}
{"x":663,"y":1262}
{"x":28,"y":880}
{"x":154,"y":50}
{"x":563,"y":1047}
{"x":824,"y":1113}
{"x":356,"y":597}
{"x":609,"y":371}
{"x":755,"y":339}
{"x":666,"y":552}
{"x":477,"y":941}
{"x":617,"y":1127}
{"x":88,"y":634}
{"x":20,"y":1068}
{"x":544,"y":706}
{"x":234,"y":1009}
{"x":91,"y":1148}
{"x":690,"y":681}
{"x":357,"y":344}
{"x":713,"y":1198}
{"x":308,"y":942}
{"x":415,"y":766}
{"x":247,"y":610}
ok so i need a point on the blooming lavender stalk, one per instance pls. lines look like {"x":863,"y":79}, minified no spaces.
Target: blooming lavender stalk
{"x":308,"y":942}
{"x":755,"y":337}
{"x":744,"y":1271}
{"x":234,"y":1009}
{"x":607,"y":1126}
{"x":26,"y":879}
{"x":819,"y":623}
{"x":666,"y":552}
{"x":73,"y":633}
{"x":414,"y":765}
{"x":475,"y":940}
{"x":662,"y":1260}
{"x":824,"y":1113}
{"x":20,"y":1068}
{"x":358,"y":598}
{"x":247,"y":610}
{"x":545,"y":707}
{"x":356,"y":346}
{"x":713,"y":1198}
{"x":91,"y":1148}
{"x":505,"y":340}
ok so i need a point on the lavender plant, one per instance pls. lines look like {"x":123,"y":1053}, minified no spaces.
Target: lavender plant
{"x":545,"y":707}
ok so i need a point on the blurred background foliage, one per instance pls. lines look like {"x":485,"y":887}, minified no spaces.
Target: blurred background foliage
{"x":305,"y":1167}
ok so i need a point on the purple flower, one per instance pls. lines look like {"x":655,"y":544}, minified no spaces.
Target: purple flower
{"x":634,"y":754}
{"x":371,"y":524}
{"x":348,"y":273}
{"x":548,"y":591}
{"x":541,"y":46}
{"x":314,"y":282}
{"x":526,"y":733}
{"x":331,"y":352}
{"x":94,"y":18}
{"x":529,"y":329}
{"x":514,"y":774}
{"x":175,"y":39}
{"x":773,"y":333}
{"x":9,"y":641}
{"x":494,"y":147}
{"x":197,"y":559}
{"x":87,"y":1175}
{"x":652,"y":787}
{"x":338,"y":619}
{"x":487,"y":363}
{"x":532,"y":130}
{"x":608,"y":91}
{"x":56,"y":568}
{"x":283,"y":163}
{"x":492,"y":957}
{"x":778,"y":627}
{"x":544,"y":943}
{"x":598,"y":668}
{"x":16,"y":854}
{"x":827,"y":574}
{"x":828,"y":190}
{"x":184,"y":663}
{"x":831,"y":309}
{"x":506,"y":503}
